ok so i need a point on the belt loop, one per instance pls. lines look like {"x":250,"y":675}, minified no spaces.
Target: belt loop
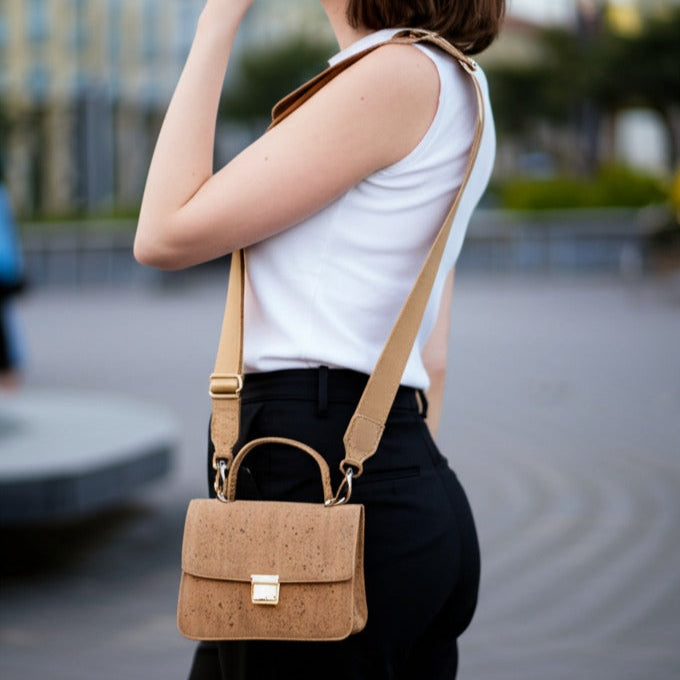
{"x":322,"y":394}
{"x":422,"y":401}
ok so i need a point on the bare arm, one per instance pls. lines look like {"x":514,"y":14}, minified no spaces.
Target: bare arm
{"x":435,"y":356}
{"x":367,"y":118}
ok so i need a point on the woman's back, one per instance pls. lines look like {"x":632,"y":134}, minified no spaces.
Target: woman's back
{"x":327,"y":291}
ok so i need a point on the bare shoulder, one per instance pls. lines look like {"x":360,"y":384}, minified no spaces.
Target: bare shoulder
{"x":393,"y":91}
{"x":399,"y":72}
{"x":405,"y":64}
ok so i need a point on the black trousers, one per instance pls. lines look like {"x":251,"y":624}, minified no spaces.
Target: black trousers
{"x":421,"y":550}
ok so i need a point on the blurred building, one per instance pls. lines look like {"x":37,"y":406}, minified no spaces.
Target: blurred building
{"x":82,"y":82}
{"x":519,"y":43}
{"x":269,"y":21}
{"x":84,"y":85}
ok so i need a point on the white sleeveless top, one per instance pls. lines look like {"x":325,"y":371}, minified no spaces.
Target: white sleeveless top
{"x":328,"y":290}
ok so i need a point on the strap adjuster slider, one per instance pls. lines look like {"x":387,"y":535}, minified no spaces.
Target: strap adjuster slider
{"x":225,"y":385}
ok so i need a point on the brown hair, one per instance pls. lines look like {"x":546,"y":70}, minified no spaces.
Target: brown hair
{"x":471,"y":25}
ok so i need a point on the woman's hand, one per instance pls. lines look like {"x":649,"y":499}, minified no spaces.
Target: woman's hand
{"x":226,"y":9}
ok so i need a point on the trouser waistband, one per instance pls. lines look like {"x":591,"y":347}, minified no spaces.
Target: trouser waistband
{"x":324,"y":385}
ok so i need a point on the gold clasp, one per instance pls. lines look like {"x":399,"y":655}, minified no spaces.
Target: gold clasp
{"x":264,"y":589}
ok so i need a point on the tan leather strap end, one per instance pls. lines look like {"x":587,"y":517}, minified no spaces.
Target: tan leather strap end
{"x":361,"y":441}
{"x":226,"y":381}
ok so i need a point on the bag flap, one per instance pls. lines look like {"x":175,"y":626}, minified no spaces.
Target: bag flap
{"x":299,"y":542}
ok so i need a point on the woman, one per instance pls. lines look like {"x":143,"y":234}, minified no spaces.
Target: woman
{"x":338,"y":205}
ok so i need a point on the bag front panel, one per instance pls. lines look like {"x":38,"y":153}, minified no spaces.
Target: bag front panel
{"x":223,"y":610}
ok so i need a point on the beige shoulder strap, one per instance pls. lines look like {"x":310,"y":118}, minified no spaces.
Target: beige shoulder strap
{"x":368,"y":422}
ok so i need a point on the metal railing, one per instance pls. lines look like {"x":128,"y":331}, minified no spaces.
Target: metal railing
{"x":607,"y":240}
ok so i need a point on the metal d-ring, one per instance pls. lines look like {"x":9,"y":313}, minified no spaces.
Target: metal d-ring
{"x":346,"y":487}
{"x":221,"y":479}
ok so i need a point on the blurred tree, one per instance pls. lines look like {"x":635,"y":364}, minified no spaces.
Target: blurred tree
{"x":550,"y":89}
{"x":578,"y":77}
{"x":644,"y":70}
{"x":268,"y":73}
{"x":541,"y":104}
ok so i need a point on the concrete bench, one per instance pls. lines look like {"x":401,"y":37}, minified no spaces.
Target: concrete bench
{"x":66,"y":455}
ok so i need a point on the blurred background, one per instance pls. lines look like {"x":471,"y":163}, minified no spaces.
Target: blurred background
{"x":563,"y":399}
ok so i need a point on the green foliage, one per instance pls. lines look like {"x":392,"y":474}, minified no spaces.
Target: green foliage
{"x":610,"y":70}
{"x":548,"y":89}
{"x":119,"y":218}
{"x":611,"y":187}
{"x":518,"y":96}
{"x":641,"y":69}
{"x":269,"y":73}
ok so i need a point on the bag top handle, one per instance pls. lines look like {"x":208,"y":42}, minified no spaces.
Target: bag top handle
{"x":368,"y":422}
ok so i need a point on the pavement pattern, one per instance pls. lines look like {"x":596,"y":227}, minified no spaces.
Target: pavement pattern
{"x":562,"y":419}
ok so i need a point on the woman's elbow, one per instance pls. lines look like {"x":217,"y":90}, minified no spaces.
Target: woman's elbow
{"x":435,"y":360}
{"x":153,"y":253}
{"x":172,"y":244}
{"x":436,"y":373}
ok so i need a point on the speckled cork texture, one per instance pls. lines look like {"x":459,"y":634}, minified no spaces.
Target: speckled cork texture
{"x":316,"y":551}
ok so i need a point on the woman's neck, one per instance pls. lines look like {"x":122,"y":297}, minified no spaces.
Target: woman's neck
{"x":336,"y":10}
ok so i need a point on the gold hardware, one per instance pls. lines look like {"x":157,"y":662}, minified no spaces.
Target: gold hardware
{"x":344,"y":490}
{"x":221,"y":476}
{"x":264,"y":589}
{"x":225,"y":385}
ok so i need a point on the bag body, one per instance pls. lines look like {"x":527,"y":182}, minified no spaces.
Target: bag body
{"x":270,"y":570}
{"x":267,"y":570}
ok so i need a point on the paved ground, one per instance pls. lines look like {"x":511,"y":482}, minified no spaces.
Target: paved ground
{"x":563,"y":421}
